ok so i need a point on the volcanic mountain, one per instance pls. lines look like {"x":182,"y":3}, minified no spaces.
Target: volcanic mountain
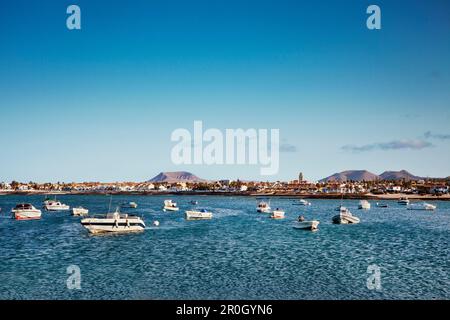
{"x":176,"y":176}
{"x":399,"y":175}
{"x":355,"y":175}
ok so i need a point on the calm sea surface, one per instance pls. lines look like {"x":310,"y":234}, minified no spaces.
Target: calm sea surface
{"x":239,"y":254}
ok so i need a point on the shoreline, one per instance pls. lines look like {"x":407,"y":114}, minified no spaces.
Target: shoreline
{"x":296,"y":195}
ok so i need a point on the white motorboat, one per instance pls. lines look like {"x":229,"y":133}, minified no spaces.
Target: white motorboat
{"x":307,"y":225}
{"x":80,"y":211}
{"x":364,"y":205}
{"x":421,"y":206}
{"x":303,"y":202}
{"x":277,"y":214}
{"x":403,"y":201}
{"x":170,"y":206}
{"x":132,"y":205}
{"x":26,"y":211}
{"x":345,"y":217}
{"x":114,"y":222}
{"x":198,"y":214}
{"x":263,"y":207}
{"x":54,"y":205}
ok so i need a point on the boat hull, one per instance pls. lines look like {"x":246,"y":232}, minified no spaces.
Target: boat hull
{"x":56,"y":208}
{"x":27,"y":215}
{"x":171,"y":208}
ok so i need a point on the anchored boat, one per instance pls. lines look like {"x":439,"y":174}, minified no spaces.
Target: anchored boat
{"x":421,"y":206}
{"x":26,"y":211}
{"x":114,"y":222}
{"x":55,"y":205}
{"x":132,"y":205}
{"x":364,"y":205}
{"x":198,"y":214}
{"x":303,"y":202}
{"x":170,"y":206}
{"x":403,"y":201}
{"x":306,"y":225}
{"x":381,"y":205}
{"x":277,"y":214}
{"x":80,"y":211}
{"x":263,"y":207}
{"x":345,"y":217}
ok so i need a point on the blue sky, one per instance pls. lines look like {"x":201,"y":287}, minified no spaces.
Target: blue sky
{"x":100,"y":103}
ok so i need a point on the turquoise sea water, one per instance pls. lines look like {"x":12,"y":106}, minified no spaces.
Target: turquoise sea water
{"x":239,"y":254}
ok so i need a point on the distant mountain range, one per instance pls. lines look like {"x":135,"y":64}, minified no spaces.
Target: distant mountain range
{"x":360,"y":175}
{"x":176,"y":176}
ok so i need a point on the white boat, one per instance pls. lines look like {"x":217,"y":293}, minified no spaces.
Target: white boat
{"x":26,"y":211}
{"x":403,"y":201}
{"x":198,"y":214}
{"x":345,"y":217}
{"x":54,"y":205}
{"x":421,"y":206}
{"x":114,"y":222}
{"x":303,"y":202}
{"x":263,"y":207}
{"x":364,"y":205}
{"x":277,"y":214}
{"x":307,"y":225}
{"x":132,"y":205}
{"x":170,"y":206}
{"x":80,"y":211}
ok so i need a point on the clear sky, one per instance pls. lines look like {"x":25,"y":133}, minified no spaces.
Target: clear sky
{"x":100,"y":103}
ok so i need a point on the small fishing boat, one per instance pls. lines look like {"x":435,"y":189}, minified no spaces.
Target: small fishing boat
{"x":198,"y":214}
{"x":382,"y":205}
{"x":55,"y":205}
{"x":303,"y":202}
{"x":301,"y":223}
{"x":170,"y":206}
{"x":131,"y":205}
{"x":263,"y":207}
{"x":364,"y":205}
{"x":80,"y":211}
{"x":345,"y":217}
{"x":403,"y":201}
{"x":193,"y":202}
{"x":114,"y":222}
{"x":26,"y":211}
{"x":277,"y":214}
{"x":421,"y":206}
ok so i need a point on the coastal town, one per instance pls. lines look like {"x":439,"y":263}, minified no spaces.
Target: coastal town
{"x":436,"y":188}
